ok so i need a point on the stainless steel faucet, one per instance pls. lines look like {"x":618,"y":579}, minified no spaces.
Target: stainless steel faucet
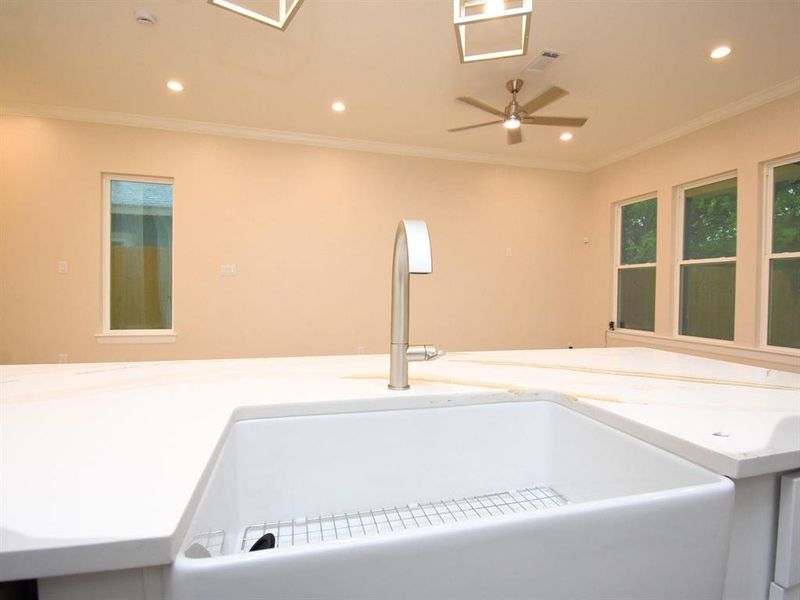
{"x":412,"y":254}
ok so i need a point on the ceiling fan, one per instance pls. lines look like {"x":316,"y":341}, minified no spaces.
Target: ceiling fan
{"x":515,"y":115}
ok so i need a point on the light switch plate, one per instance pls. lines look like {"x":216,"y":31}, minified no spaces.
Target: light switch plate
{"x":63,"y":266}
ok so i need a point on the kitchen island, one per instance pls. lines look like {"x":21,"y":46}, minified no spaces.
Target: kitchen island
{"x":102,"y":463}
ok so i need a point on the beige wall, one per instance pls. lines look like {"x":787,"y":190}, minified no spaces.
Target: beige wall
{"x":739,"y":144}
{"x":311,"y":231}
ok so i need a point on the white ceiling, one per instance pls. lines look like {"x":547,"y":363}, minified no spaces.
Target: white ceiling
{"x":635,"y":68}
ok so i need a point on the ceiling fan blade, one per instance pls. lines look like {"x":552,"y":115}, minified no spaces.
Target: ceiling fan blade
{"x":561,"y":121}
{"x":544,"y":99}
{"x":474,"y":126}
{"x":514,"y":136}
{"x":482,"y":105}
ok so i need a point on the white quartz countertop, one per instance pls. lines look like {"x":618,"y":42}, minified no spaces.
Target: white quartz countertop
{"x":100,"y":463}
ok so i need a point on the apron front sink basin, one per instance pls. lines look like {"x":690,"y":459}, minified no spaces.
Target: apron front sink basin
{"x":517,"y":498}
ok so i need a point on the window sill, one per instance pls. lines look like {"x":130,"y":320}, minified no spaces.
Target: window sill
{"x":137,"y":336}
{"x":636,"y":332}
{"x":722,"y":348}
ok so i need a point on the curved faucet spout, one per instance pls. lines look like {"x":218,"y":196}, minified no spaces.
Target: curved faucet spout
{"x":412,"y":255}
{"x":414,"y":234}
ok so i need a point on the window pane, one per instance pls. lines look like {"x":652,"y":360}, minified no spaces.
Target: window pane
{"x":141,"y":255}
{"x":784,"y":302}
{"x":638,"y":233}
{"x":636,"y":298}
{"x":707,"y":300}
{"x":786,"y":210}
{"x":709,"y":220}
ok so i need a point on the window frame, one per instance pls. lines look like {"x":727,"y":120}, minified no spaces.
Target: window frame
{"x":679,"y":261}
{"x":140,"y":336}
{"x":768,"y":196}
{"x":617,"y":261}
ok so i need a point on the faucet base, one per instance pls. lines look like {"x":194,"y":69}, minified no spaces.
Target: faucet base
{"x":398,"y":388}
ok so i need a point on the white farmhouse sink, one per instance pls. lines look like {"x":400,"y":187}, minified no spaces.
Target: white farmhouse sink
{"x":517,"y":499}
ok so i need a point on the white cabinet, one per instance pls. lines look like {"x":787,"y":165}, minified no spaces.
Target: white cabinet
{"x":786,"y":585}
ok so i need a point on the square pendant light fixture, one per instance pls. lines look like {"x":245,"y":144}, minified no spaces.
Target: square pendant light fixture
{"x":286,"y":10}
{"x":480,"y":13}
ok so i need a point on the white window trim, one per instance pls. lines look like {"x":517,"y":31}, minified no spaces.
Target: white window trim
{"x":767,"y":254}
{"x":128,"y":336}
{"x":618,"y":258}
{"x":679,"y":261}
{"x":137,"y":336}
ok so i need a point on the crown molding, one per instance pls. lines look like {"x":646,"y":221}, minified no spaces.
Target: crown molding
{"x":277,"y":136}
{"x":750,"y":102}
{"x":311,"y":139}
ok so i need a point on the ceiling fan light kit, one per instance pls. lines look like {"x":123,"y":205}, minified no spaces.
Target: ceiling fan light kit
{"x":286,"y":10}
{"x":474,"y":12}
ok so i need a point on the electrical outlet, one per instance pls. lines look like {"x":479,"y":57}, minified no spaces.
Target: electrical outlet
{"x":228,"y":270}
{"x":63,"y":358}
{"x":63,"y":266}
{"x":508,"y":252}
{"x":360,"y":350}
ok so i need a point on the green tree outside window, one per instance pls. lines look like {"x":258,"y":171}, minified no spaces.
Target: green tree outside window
{"x":786,"y":210}
{"x":710,"y":221}
{"x":638,"y":240}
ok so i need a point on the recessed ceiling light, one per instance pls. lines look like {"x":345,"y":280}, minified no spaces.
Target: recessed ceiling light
{"x":174,"y":85}
{"x":338,"y":106}
{"x":511,"y":123}
{"x":720,"y":52}
{"x":566,"y":136}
